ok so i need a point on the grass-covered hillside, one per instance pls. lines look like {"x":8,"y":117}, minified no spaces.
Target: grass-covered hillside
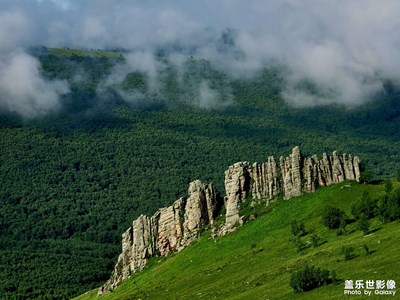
{"x":72,"y":181}
{"x":256,"y":262}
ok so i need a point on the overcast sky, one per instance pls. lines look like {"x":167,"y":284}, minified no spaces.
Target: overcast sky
{"x":345,"y":46}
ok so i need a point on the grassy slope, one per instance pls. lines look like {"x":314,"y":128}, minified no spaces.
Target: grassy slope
{"x":229,"y":268}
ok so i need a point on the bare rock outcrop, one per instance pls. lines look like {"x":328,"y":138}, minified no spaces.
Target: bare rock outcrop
{"x":237,"y":187}
{"x":137,"y":246}
{"x":173,"y":228}
{"x":266,"y":180}
{"x":200,"y":209}
{"x":311,"y":174}
{"x":357,"y":168}
{"x":325,"y":171}
{"x":338,"y":174}
{"x":294,"y":175}
{"x":348,"y":167}
{"x":169,"y":229}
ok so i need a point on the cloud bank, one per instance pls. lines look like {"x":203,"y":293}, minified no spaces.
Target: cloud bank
{"x":23,"y":90}
{"x":344,"y":49}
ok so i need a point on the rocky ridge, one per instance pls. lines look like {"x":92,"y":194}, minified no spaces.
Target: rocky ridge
{"x":169,"y":229}
{"x":293,"y":176}
{"x":175,"y":227}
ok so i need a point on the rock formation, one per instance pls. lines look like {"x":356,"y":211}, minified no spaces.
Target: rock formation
{"x":173,"y":228}
{"x":294,"y":175}
{"x":169,"y":229}
{"x":237,"y":186}
{"x":200,"y":209}
{"x":137,"y":246}
{"x":266,"y":179}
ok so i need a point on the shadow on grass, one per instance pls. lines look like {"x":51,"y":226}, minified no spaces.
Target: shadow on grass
{"x":375,"y":182}
{"x":350,"y":221}
{"x":323,"y":243}
{"x":374,"y":230}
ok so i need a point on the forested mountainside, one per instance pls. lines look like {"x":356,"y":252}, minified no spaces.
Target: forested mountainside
{"x":72,"y":181}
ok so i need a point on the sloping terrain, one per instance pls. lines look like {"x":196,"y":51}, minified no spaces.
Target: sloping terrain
{"x":257,"y":260}
{"x":101,"y":161}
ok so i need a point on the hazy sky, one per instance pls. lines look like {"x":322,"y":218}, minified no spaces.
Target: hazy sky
{"x":345,"y":46}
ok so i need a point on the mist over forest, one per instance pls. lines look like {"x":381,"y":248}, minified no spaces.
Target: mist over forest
{"x":343,"y":50}
{"x":109,"y":109}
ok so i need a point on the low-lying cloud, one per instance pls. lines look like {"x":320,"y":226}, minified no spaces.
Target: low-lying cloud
{"x":23,"y":90}
{"x":144,"y":78}
{"x":343,"y":49}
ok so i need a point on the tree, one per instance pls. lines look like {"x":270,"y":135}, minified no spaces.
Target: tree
{"x":298,"y":229}
{"x":315,"y":240}
{"x":309,"y":278}
{"x":363,"y":224}
{"x":347,"y":252}
{"x":365,"y":174}
{"x":389,"y":207}
{"x":366,"y":248}
{"x":342,"y":227}
{"x":298,"y":243}
{"x":388,"y":186}
{"x":364,"y":207}
{"x":333,"y":217}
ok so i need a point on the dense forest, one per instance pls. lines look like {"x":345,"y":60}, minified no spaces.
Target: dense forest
{"x":72,"y":181}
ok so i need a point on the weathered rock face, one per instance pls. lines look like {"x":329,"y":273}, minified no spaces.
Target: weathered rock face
{"x":325,"y":171}
{"x":337,"y":169}
{"x":294,"y":175}
{"x":213,"y":201}
{"x":137,"y":246}
{"x":174,"y":227}
{"x":357,"y":168}
{"x":200,"y":209}
{"x":237,"y":187}
{"x":311,"y":174}
{"x":266,"y":180}
{"x":169,"y":229}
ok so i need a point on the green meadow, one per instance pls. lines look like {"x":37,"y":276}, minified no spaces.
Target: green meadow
{"x":257,"y":260}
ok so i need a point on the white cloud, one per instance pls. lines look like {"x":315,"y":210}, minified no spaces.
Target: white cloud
{"x":22,"y":88}
{"x":24,"y":91}
{"x":346,"y":47}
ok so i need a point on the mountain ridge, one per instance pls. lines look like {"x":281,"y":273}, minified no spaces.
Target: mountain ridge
{"x":175,"y":227}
